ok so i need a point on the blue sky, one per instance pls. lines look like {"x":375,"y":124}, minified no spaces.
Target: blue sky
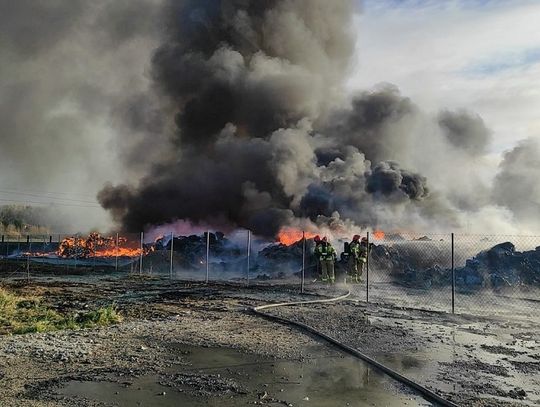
{"x":505,"y":61}
{"x":482,"y":55}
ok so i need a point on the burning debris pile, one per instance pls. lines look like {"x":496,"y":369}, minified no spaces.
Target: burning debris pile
{"x":96,"y":245}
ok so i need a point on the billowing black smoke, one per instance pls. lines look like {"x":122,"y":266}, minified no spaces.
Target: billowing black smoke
{"x":465,"y":130}
{"x":388,"y":179}
{"x":264,"y":137}
{"x":249,"y":79}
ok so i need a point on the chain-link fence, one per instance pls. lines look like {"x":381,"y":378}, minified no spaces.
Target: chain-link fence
{"x":410,"y":270}
{"x":199,"y":257}
{"x":474,"y":274}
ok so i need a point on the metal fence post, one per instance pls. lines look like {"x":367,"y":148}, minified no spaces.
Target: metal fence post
{"x":141,"y":258}
{"x":116,"y":252}
{"x":303,"y":260}
{"x":248,"y":255}
{"x":172,"y":258}
{"x":453,"y":277}
{"x":367,"y":270}
{"x":208,"y":257}
{"x":28,"y":266}
{"x":76,"y":251}
{"x":94,"y":257}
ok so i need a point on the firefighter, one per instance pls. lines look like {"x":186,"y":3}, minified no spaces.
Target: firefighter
{"x":363,"y":254}
{"x":355,"y":263}
{"x":327,"y":256}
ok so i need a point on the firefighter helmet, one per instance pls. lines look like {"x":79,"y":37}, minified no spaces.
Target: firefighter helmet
{"x":356,"y":238}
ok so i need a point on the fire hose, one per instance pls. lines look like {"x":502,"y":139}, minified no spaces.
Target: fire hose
{"x":424,"y":391}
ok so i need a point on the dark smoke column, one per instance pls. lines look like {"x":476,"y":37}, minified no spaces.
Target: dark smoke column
{"x":246,"y":78}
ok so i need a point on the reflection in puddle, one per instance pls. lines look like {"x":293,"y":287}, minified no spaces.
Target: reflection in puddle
{"x":325,"y":381}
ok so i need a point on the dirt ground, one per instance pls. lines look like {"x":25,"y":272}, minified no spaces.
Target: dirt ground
{"x":473,"y":362}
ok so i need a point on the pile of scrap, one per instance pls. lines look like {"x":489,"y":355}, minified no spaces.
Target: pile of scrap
{"x":420,"y":263}
{"x":84,"y":247}
{"x":501,"y":266}
{"x":278,"y":259}
{"x":190,"y":251}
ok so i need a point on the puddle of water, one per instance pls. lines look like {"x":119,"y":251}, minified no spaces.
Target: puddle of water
{"x":464,"y":343}
{"x":318,"y":382}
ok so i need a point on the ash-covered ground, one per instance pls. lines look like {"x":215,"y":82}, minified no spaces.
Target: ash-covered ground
{"x":200,"y":345}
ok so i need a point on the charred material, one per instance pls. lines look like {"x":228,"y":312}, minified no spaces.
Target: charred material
{"x":420,"y":263}
{"x":423,"y":263}
{"x":501,"y":266}
{"x":279,"y":259}
{"x":190,"y":251}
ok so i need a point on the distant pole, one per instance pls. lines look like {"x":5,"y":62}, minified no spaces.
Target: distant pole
{"x":116,"y":252}
{"x":94,"y":250}
{"x":208,"y":256}
{"x":172,"y":251}
{"x":76,"y":249}
{"x":453,"y":277}
{"x":248,"y":255}
{"x":367,"y":270}
{"x":28,"y":258}
{"x":141,"y":258}
{"x":303,"y":260}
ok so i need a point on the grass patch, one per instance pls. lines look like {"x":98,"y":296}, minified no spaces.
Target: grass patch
{"x":20,"y":315}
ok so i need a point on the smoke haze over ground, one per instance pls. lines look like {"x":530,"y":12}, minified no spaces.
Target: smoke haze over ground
{"x":233,"y":113}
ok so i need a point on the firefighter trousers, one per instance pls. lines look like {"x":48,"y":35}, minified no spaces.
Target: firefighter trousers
{"x":356,"y":267}
{"x":327,"y":267}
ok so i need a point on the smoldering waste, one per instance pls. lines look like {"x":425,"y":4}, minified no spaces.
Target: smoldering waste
{"x":420,"y":263}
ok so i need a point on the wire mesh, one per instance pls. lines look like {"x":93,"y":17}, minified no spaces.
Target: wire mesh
{"x":493,"y":275}
{"x":497,"y":275}
{"x":411,"y":270}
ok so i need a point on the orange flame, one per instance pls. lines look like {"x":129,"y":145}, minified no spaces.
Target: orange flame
{"x":96,"y":245}
{"x":289,"y":236}
{"x":378,"y":235}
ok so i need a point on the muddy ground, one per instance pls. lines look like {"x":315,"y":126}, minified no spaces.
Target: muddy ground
{"x":470,"y":360}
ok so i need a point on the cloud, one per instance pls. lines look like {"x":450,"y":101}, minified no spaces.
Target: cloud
{"x":428,"y":49}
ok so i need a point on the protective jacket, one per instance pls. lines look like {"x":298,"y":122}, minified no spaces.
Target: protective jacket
{"x":354,"y":249}
{"x":363,"y":251}
{"x":325,"y":251}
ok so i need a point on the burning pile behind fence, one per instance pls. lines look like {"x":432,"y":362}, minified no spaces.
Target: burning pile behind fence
{"x":96,"y":245}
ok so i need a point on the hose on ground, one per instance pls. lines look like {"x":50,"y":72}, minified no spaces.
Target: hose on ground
{"x":424,"y":391}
